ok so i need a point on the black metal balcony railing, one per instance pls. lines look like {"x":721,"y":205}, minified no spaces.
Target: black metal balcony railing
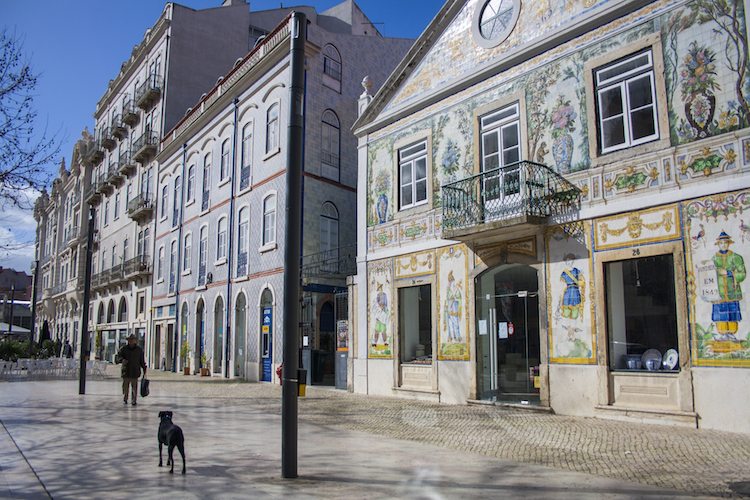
{"x":113,"y":173}
{"x":59,"y":288}
{"x":131,"y":115}
{"x":104,"y":278}
{"x":204,"y":202}
{"x":118,"y":129}
{"x":145,"y":146}
{"x":116,"y":273}
{"x":201,"y":274}
{"x":126,"y":165}
{"x":140,"y":206}
{"x":106,"y":140}
{"x":75,"y":198}
{"x":244,"y":177}
{"x":520,"y":190}
{"x":95,"y":153}
{"x":148,"y":92}
{"x":137,"y":265}
{"x":335,"y":263}
{"x":241,"y":264}
{"x":94,"y":280}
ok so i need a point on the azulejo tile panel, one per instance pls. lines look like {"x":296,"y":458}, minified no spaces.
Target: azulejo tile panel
{"x":637,"y":228}
{"x":717,"y":232}
{"x":570,"y":296}
{"x":707,"y":161}
{"x":526,"y":246}
{"x":453,"y":303}
{"x":414,"y":264}
{"x":379,"y":309}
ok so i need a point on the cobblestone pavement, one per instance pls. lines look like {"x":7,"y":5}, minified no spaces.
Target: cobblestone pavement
{"x":695,"y":460}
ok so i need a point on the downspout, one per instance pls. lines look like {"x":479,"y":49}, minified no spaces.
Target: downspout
{"x":175,"y":344}
{"x":227,"y":336}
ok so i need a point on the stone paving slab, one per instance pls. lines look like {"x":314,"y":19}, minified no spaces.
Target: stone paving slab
{"x":350,"y":446}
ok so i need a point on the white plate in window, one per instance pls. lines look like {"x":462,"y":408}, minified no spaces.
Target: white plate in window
{"x":671,"y":358}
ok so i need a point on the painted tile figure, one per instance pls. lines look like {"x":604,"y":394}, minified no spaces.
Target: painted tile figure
{"x":730,"y":271}
{"x":452,"y":312}
{"x":571,"y":303}
{"x":382,"y":317}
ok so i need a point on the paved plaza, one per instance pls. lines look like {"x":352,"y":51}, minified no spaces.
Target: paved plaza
{"x":55,"y":443}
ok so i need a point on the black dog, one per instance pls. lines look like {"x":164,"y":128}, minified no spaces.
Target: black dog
{"x":170,"y":435}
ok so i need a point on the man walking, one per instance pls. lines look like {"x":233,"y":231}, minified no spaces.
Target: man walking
{"x":132,"y":359}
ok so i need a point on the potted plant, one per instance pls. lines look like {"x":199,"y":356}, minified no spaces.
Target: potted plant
{"x":204,"y":365}
{"x":185,"y":352}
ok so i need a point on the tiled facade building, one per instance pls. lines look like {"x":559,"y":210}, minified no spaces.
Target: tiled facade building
{"x":553,"y":208}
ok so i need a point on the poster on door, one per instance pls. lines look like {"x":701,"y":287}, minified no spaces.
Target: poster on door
{"x":569,"y":292}
{"x":266,"y":342}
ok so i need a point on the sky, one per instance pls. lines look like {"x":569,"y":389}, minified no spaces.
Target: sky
{"x":77,"y":46}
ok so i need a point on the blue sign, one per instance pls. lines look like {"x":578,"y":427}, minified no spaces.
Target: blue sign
{"x":266,"y":343}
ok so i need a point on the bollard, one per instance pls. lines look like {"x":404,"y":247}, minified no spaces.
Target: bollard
{"x":301,"y":382}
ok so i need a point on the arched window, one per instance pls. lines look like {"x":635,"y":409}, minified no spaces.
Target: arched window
{"x":224,"y":167}
{"x":100,"y":314}
{"x":329,"y":227}
{"x":206,"y":181}
{"x":177,"y":201}
{"x":111,"y":311}
{"x":160,"y":265}
{"x":221,"y":239}
{"x":187,"y":252}
{"x":203,"y":256}
{"x":332,"y":68}
{"x":269,"y":220}
{"x":123,"y":312}
{"x":191,"y":183}
{"x":331,"y":135}
{"x":243,"y":242}
{"x":272,"y":128}
{"x":247,"y":155}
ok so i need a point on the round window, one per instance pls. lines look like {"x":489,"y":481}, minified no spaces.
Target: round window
{"x":494,"y":20}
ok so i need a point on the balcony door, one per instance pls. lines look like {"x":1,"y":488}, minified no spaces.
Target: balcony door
{"x":501,"y":152}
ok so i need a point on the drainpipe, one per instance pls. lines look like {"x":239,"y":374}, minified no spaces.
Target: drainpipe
{"x":295,"y":153}
{"x":227,"y":336}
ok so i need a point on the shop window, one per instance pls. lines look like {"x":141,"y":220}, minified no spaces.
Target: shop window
{"x":641,"y":313}
{"x":415,"y":324}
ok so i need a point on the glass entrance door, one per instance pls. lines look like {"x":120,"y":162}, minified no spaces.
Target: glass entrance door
{"x":507,"y":306}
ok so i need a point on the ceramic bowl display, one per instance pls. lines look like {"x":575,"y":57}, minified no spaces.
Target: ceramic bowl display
{"x":651,"y":359}
{"x":632,"y":361}
{"x":671,"y":359}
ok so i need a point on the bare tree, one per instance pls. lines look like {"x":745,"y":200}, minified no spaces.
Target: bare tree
{"x":24,"y":155}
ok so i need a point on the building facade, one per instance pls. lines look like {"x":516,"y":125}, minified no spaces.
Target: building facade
{"x":220,"y":213}
{"x":558,"y":189}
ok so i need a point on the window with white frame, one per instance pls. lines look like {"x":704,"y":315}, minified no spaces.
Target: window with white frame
{"x":221,"y":239}
{"x":117,"y":205}
{"x":332,"y":68}
{"x":164,"y":198}
{"x":626,"y":102}
{"x":272,"y":128}
{"x":331,"y":134}
{"x":186,"y":252}
{"x":125,"y":250}
{"x":501,"y":150}
{"x":269,"y":220}
{"x":177,"y":201}
{"x":191,"y":183}
{"x":412,"y":164}
{"x":206,"y":181}
{"x":173,"y":267}
{"x":160,"y":265}
{"x":243,"y":243}
{"x":224,"y":166}
{"x":114,"y":254}
{"x":202,"y":256}
{"x":247,"y":155}
{"x":106,"y":213}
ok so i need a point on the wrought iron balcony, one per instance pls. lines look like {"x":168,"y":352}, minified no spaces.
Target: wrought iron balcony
{"x":131,"y":115}
{"x":104,"y":279}
{"x":140,"y":207}
{"x":241,"y":264}
{"x":335,"y":263}
{"x":148,"y":92}
{"x":145,"y":146}
{"x":521,"y":193}
{"x":118,"y":129}
{"x":137,"y":266}
{"x":71,"y":236}
{"x":113,"y":173}
{"x":204,"y":201}
{"x":244,"y":177}
{"x":93,"y":193}
{"x":59,"y":288}
{"x":106,"y":140}
{"x":45,"y":259}
{"x":94,"y":280}
{"x":116,"y":273}
{"x":126,"y":165}
{"x":95,"y":154}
